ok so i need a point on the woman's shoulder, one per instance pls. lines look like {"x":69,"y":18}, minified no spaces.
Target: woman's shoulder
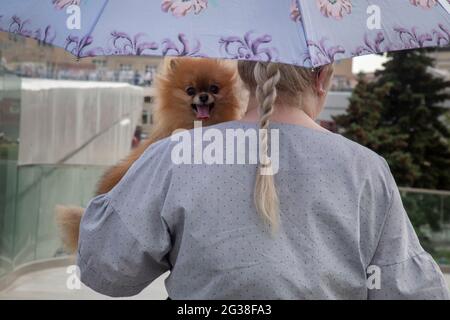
{"x":364,"y":159}
{"x":360,"y":152}
{"x":159,"y":150}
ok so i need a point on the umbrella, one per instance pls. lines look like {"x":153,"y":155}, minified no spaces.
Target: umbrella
{"x":304,"y":33}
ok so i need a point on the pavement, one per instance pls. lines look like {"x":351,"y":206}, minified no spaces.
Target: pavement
{"x":51,"y":284}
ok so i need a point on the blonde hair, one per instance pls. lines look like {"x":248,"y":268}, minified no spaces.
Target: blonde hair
{"x":271,"y":82}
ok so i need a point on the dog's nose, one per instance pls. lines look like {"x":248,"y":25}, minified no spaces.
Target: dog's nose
{"x":204,"y":98}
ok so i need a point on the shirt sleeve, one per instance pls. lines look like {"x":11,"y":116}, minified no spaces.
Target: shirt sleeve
{"x":124,"y":241}
{"x":406,"y":270}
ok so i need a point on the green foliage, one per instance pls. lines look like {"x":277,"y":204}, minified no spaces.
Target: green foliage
{"x":8,"y":151}
{"x":400,"y":116}
{"x":442,"y":256}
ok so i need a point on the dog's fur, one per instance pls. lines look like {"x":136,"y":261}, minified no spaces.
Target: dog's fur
{"x":185,"y":89}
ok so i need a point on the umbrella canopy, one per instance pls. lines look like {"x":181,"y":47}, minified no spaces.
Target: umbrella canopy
{"x":304,"y":33}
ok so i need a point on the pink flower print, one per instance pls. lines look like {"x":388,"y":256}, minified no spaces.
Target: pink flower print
{"x":295,"y":12}
{"x":180,"y":8}
{"x":334,"y":8}
{"x":166,"y":4}
{"x":61,"y":4}
{"x":425,"y":4}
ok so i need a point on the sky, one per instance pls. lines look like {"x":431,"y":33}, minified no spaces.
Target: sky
{"x":368,"y":63}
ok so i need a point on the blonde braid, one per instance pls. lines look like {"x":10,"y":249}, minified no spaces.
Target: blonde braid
{"x":267,"y":76}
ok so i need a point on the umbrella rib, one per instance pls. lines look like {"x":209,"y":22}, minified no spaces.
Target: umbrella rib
{"x":96,"y":19}
{"x":303,"y":22}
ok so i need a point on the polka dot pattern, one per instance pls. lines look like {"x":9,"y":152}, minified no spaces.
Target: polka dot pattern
{"x":340,"y":213}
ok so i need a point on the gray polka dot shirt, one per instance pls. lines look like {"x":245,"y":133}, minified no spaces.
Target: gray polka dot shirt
{"x":340,"y":213}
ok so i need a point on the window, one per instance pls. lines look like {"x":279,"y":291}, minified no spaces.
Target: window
{"x":125,"y":67}
{"x":148,"y":99}
{"x":150,"y":68}
{"x":99,"y":63}
{"x":145,"y":118}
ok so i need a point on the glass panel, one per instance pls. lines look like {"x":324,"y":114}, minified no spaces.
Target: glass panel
{"x":27,"y":211}
{"x":65,"y":185}
{"x":39,"y":190}
{"x":430,"y":214}
{"x":10,"y":86}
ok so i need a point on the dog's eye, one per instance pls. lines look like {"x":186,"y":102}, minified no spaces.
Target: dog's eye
{"x":214,"y":89}
{"x":190,"y":91}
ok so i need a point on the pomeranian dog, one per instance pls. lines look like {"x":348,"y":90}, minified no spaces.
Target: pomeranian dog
{"x":187,"y":90}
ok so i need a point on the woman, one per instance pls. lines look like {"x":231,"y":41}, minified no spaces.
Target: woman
{"x":327,"y":224}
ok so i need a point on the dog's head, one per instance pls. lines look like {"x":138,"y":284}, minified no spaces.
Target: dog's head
{"x":195,"y":89}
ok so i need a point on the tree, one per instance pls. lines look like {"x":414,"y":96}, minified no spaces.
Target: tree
{"x":400,"y":116}
{"x":363,"y":123}
{"x":414,"y":106}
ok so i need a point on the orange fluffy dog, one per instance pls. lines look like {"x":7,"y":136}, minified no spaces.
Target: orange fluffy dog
{"x":187,"y":90}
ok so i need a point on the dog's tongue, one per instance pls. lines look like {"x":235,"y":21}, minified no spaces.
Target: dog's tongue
{"x":202,"y":111}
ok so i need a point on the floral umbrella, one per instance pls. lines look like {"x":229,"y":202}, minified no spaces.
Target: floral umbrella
{"x":305,"y":33}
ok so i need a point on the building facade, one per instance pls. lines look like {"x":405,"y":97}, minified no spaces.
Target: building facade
{"x":344,"y":79}
{"x":31,"y":58}
{"x":28,"y":58}
{"x":442,"y":57}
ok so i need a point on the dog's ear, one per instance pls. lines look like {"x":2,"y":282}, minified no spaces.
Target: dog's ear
{"x":173,"y":64}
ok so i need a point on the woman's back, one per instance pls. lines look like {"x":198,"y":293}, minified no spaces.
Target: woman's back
{"x":340,"y":212}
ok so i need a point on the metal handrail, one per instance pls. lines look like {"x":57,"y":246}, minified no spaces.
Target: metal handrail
{"x":426,"y":191}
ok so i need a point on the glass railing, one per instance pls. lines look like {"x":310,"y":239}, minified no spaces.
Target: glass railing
{"x":28,"y":230}
{"x":429,"y":212}
{"x":10,"y":88}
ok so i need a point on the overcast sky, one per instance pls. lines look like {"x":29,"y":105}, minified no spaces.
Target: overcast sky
{"x":368,"y":63}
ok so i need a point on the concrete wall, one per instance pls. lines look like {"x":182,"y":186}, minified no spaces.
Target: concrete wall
{"x":82,"y":123}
